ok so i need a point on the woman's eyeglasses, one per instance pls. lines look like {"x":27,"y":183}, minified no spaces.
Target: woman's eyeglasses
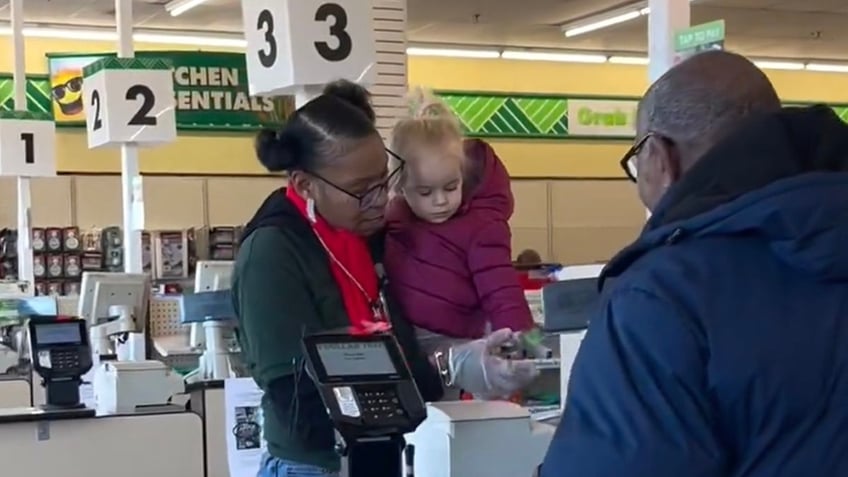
{"x":374,"y":194}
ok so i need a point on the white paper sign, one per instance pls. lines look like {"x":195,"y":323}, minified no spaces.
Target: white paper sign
{"x":569,"y":345}
{"x":602,"y":117}
{"x":137,"y":203}
{"x":292,"y":44}
{"x":243,"y":420}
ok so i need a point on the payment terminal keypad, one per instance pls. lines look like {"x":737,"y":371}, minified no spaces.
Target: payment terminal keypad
{"x":64,"y":359}
{"x":380,"y":404}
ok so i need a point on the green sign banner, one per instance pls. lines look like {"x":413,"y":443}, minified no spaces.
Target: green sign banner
{"x":497,"y":115}
{"x":501,"y":115}
{"x":37,"y":91}
{"x":210,"y":89}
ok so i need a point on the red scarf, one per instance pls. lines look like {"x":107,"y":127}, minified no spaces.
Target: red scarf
{"x":352,"y":253}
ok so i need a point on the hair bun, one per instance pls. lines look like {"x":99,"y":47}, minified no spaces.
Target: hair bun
{"x":353,"y":94}
{"x":275,"y":150}
{"x":423,"y":104}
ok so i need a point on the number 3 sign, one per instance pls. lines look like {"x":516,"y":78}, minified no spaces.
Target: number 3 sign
{"x":297,"y":43}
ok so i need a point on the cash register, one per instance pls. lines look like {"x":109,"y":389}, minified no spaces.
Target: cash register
{"x":371,"y":398}
{"x":61,"y":355}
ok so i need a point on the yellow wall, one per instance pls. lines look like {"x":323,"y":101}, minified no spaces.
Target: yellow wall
{"x":232,"y":154}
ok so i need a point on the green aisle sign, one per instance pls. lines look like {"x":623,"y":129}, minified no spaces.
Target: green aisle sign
{"x":210,"y":91}
{"x":527,"y":116}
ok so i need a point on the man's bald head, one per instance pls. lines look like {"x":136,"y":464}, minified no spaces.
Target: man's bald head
{"x":699,"y":101}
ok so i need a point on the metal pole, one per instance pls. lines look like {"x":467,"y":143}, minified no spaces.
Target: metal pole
{"x":129,"y":152}
{"x":24,"y":245}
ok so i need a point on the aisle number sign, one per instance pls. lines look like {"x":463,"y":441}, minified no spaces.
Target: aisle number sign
{"x":703,"y":37}
{"x":296,"y":43}
{"x":27,"y":144}
{"x":129,"y":100}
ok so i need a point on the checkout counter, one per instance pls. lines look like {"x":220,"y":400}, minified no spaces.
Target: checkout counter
{"x":136,"y":445}
{"x":14,"y":392}
{"x":206,"y":400}
{"x":455,"y":439}
{"x":64,"y":433}
{"x":379,"y":416}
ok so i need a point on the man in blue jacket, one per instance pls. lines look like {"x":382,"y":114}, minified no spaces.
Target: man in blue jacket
{"x":722,"y":345}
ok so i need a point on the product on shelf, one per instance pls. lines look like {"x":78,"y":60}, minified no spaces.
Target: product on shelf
{"x":8,"y":254}
{"x":147,"y":262}
{"x":62,"y":254}
{"x":39,"y":266}
{"x":39,"y":240}
{"x":54,"y":239}
{"x":171,"y":251}
{"x":55,"y":266}
{"x":223,"y":242}
{"x":71,"y":239}
{"x":58,"y":261}
{"x":72,"y":266}
{"x":113,"y":249}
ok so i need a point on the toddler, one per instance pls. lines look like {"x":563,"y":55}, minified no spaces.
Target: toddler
{"x":448,"y":253}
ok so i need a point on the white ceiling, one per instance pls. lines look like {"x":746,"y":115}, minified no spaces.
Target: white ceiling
{"x":804,"y":29}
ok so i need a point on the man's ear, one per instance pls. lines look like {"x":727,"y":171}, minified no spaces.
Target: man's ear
{"x":669,"y":161}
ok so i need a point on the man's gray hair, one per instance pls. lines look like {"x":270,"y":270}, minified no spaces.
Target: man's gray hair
{"x":703,"y":98}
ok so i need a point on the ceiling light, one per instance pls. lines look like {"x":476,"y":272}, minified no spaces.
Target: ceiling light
{"x":827,"y":68}
{"x":779,"y":65}
{"x":178,"y":7}
{"x":628,"y":60}
{"x":201,"y":40}
{"x":104,"y":34}
{"x":66,"y":34}
{"x":452,"y":52}
{"x":603,"y":22}
{"x":597,"y":25}
{"x":545,"y":56}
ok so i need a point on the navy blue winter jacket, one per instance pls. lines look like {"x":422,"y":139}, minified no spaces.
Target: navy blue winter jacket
{"x":722,"y":346}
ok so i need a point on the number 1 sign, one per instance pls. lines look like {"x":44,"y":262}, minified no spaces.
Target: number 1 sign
{"x":129,"y":100}
{"x":297,"y":43}
{"x":27,"y":144}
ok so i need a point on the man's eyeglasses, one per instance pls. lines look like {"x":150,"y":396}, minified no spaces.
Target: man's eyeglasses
{"x":372,"y":196}
{"x":628,"y":162}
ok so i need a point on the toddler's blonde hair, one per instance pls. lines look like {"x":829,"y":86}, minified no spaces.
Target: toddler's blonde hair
{"x":430,"y":122}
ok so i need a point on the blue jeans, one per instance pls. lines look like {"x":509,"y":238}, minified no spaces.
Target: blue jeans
{"x":274,"y":467}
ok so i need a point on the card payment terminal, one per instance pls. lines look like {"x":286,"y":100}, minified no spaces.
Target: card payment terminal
{"x":61,"y":355}
{"x":370,"y":396}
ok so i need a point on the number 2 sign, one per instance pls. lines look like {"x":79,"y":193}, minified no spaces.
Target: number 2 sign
{"x":129,"y":101}
{"x":297,"y":43}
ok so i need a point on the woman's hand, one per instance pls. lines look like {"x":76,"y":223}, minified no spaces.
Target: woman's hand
{"x":478,"y":368}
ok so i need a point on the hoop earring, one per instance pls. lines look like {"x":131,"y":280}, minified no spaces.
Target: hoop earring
{"x":310,"y":210}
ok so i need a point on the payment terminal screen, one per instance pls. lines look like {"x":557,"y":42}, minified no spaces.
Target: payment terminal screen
{"x":58,"y":333}
{"x":350,"y":359}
